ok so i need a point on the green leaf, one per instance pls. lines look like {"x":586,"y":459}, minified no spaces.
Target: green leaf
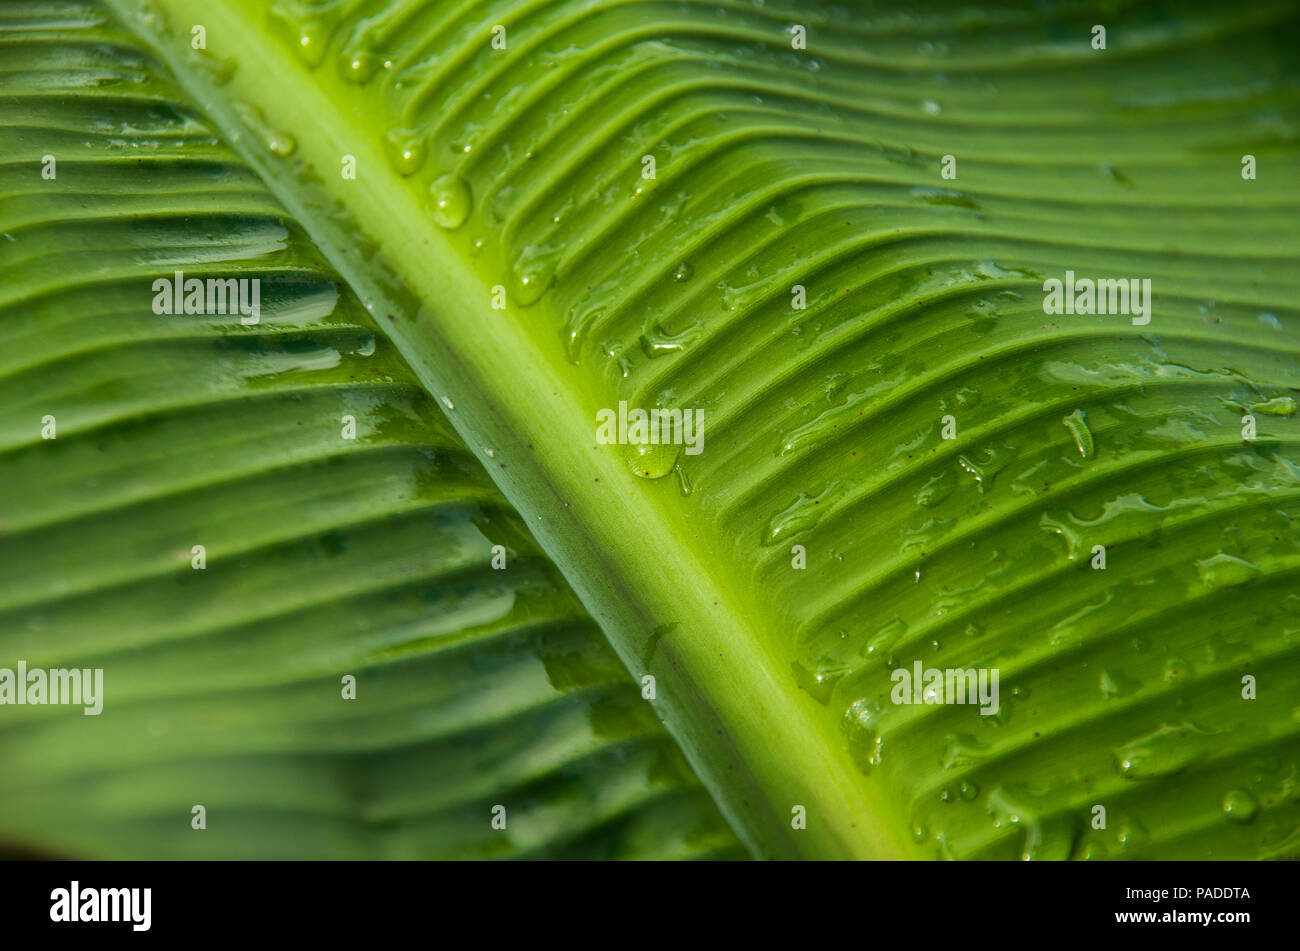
{"x":799,"y":268}
{"x":324,"y":556}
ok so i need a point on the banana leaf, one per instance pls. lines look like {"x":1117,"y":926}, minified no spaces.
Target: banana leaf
{"x":877,"y":252}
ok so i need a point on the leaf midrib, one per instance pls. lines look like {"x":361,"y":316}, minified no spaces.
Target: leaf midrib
{"x":757,"y":742}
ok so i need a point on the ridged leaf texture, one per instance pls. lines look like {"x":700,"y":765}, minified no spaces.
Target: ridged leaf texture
{"x":560,"y":207}
{"x":325,"y":557}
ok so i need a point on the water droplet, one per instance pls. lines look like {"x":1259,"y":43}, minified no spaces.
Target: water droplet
{"x":683,"y":482}
{"x":1240,"y":806}
{"x":535,"y":271}
{"x":650,"y":460}
{"x":963,"y":750}
{"x":1131,"y":834}
{"x":1222,"y":571}
{"x":656,"y":342}
{"x":309,"y":26}
{"x":1277,"y":406}
{"x":311,"y":45}
{"x":801,"y":514}
{"x":742,"y":297}
{"x":280,"y":144}
{"x":1115,"y":683}
{"x":578,"y":323}
{"x":865,"y":742}
{"x":684,"y":272}
{"x":1163,"y":752}
{"x":828,"y":421}
{"x":406,"y":150}
{"x":359,"y":66}
{"x":820,"y":677}
{"x":945,"y":196}
{"x":885,"y":638}
{"x":1047,"y":835}
{"x":937,"y":489}
{"x":220,"y":71}
{"x":451,"y":201}
{"x":985,"y":467}
{"x":1077,"y":424}
{"x":529,"y":288}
